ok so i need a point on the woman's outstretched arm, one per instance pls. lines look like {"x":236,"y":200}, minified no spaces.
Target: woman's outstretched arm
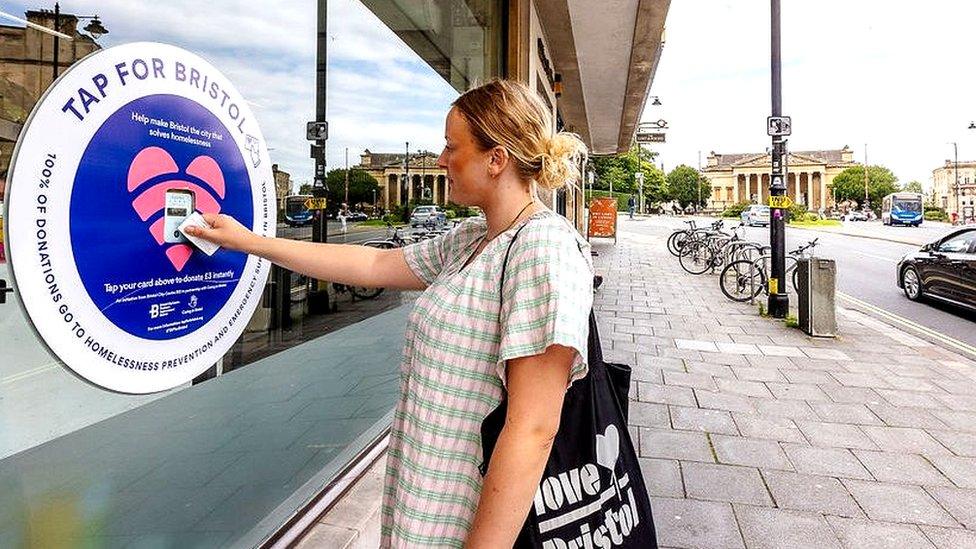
{"x":347,"y":264}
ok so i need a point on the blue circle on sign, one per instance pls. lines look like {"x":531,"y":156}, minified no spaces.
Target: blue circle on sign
{"x":152,"y":163}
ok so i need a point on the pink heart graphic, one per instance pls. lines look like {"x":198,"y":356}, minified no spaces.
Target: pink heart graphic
{"x":153,"y":162}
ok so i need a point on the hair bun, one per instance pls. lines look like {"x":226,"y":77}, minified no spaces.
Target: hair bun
{"x":560,"y":161}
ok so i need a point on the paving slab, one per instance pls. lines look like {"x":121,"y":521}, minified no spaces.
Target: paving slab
{"x":695,"y":524}
{"x":768,"y":427}
{"x":662,"y":477}
{"x":901,"y":468}
{"x":904,"y":439}
{"x":686,"y":379}
{"x":835,"y":462}
{"x":834,"y":412}
{"x":865,"y":534}
{"x":698,"y":419}
{"x":959,"y":502}
{"x":835,"y":435}
{"x":683,"y":445}
{"x":665,"y":394}
{"x":734,"y":484}
{"x":648,"y":414}
{"x":950,"y":538}
{"x":961,"y":444}
{"x":751,"y":452}
{"x":811,"y":493}
{"x":898,"y":503}
{"x":766,"y":528}
{"x":960,"y":470}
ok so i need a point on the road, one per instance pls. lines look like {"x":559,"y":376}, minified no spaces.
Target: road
{"x":865,"y":269}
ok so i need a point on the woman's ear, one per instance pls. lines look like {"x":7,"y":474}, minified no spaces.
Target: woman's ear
{"x":497,"y":160}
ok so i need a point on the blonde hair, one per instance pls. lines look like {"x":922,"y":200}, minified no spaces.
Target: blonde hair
{"x":508,"y":114}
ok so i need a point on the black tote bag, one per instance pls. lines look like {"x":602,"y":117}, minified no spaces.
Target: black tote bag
{"x":592,"y":493}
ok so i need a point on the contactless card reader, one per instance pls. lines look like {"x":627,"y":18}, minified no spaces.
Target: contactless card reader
{"x":179,"y":205}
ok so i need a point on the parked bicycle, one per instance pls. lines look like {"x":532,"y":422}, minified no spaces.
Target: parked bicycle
{"x":677,"y":239}
{"x":745,"y":279}
{"x":703,"y":252}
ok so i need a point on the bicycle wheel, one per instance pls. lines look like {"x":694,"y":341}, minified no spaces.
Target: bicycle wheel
{"x":698,"y":258}
{"x":796,"y":281}
{"x":742,"y":280}
{"x":675,"y":242}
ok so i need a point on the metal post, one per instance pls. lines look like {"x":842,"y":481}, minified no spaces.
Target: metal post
{"x":955,"y":152}
{"x":406,"y":171}
{"x":319,"y":296}
{"x":57,"y":41}
{"x":778,"y":302}
{"x":865,"y":176}
{"x":347,"y":176}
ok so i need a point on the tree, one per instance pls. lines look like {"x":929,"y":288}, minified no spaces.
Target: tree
{"x":913,"y":186}
{"x":620,"y":169}
{"x":849,"y":184}
{"x":686,"y":185}
{"x":361,"y":187}
{"x":306,"y":188}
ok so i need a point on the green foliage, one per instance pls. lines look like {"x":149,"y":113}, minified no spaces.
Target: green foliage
{"x":937,"y":214}
{"x":361,"y":187}
{"x":792,"y":321}
{"x":620,"y":169}
{"x":620,"y":197}
{"x":913,"y":186}
{"x":762,"y":309}
{"x":686,"y":184}
{"x":735,"y":210}
{"x":849,"y":184}
{"x":797,"y":212}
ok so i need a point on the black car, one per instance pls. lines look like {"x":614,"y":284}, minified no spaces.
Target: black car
{"x":944,"y":269}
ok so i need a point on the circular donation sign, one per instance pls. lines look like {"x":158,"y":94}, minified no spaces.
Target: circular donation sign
{"x":124,"y":147}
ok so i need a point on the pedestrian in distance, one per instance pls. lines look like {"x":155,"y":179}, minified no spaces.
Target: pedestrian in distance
{"x":631,"y":205}
{"x":343,"y":214}
{"x":471,"y":341}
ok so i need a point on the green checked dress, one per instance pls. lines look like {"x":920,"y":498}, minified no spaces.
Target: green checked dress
{"x":453,"y":369}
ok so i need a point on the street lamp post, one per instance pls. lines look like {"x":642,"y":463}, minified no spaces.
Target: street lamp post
{"x":778,"y":303}
{"x":95,"y":28}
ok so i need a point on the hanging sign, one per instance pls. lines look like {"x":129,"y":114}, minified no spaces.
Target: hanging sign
{"x":123,"y":146}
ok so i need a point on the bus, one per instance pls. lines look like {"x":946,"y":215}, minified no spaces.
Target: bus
{"x":902,"y":209}
{"x":296,"y":214}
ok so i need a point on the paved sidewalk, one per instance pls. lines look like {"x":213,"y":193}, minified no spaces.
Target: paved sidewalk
{"x":755,"y":435}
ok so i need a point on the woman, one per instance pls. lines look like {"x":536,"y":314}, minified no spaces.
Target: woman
{"x":468,"y":341}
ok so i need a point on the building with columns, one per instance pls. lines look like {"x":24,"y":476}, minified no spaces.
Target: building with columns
{"x":745,"y":177}
{"x":428,"y":181}
{"x":944,"y":188}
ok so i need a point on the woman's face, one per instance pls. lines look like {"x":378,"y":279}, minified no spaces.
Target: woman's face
{"x":466,"y":164}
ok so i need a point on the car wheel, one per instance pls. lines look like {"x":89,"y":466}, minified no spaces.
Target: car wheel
{"x":911,"y":283}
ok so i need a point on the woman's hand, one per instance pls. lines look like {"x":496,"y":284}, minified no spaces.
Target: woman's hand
{"x":226,"y":232}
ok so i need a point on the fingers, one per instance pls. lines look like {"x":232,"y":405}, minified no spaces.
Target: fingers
{"x":210,"y":218}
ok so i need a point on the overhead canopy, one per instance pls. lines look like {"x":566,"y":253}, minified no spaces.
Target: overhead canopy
{"x":606,"y":52}
{"x":607,"y":58}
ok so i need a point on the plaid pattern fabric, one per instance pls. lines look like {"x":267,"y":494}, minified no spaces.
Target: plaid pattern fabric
{"x":453,"y":369}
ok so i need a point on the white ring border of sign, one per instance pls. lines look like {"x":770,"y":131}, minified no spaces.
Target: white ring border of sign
{"x":69,"y":143}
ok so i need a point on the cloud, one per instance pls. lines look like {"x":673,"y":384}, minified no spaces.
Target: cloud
{"x":885,"y":74}
{"x":380,"y":93}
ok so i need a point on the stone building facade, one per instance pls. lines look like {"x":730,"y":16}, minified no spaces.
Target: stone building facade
{"x":944,"y":188}
{"x":282,"y":184}
{"x":427,"y":180}
{"x":27,"y":69}
{"x":745,"y":177}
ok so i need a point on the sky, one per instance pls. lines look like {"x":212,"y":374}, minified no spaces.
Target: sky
{"x":889,"y":74}
{"x":893,"y":75}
